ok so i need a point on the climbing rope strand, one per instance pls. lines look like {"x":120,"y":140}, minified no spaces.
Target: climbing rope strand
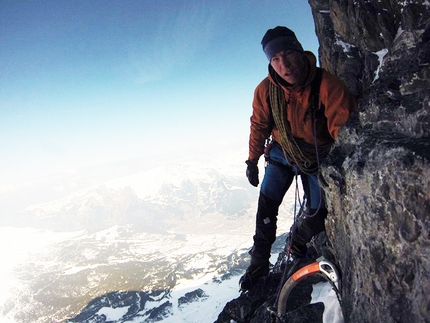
{"x":316,"y":100}
{"x":305,"y":156}
{"x":318,"y":166}
{"x":289,"y":146}
{"x":297,"y":202}
{"x":302,"y":154}
{"x":284,"y":272}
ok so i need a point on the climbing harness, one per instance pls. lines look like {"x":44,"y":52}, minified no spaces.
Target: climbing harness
{"x":321,"y":267}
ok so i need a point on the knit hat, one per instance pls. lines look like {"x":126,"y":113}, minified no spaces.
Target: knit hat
{"x":278,"y":39}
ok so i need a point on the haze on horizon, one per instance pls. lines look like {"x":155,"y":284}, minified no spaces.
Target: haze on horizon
{"x":94,"y":90}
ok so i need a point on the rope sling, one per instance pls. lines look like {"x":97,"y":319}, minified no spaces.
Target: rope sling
{"x":305,"y":156}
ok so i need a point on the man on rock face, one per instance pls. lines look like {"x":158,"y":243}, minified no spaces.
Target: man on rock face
{"x":299,"y":108}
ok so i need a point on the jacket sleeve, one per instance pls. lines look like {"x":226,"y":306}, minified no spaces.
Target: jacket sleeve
{"x":338,"y":102}
{"x":261,"y":120}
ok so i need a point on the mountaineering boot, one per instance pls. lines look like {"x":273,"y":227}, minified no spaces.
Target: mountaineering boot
{"x":304,"y":229}
{"x":265,"y":235}
{"x":254,"y":272}
{"x":298,"y":250}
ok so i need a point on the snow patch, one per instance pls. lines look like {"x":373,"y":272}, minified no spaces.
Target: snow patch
{"x":323,"y":292}
{"x":23,"y":243}
{"x":346,"y":46}
{"x":399,"y":33}
{"x":113,"y":314}
{"x":381,"y":54}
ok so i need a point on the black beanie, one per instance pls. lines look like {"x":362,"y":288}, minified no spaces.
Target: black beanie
{"x":278,"y":39}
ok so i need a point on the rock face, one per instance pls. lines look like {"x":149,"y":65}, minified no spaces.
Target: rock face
{"x":379,"y":173}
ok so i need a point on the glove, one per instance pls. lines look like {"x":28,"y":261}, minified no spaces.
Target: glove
{"x":252,"y":172}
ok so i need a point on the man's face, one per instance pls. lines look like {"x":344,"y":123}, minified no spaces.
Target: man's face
{"x":289,"y":64}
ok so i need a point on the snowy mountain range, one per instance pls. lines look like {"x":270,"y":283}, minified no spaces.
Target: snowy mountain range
{"x":154,"y":200}
{"x":168,"y":244}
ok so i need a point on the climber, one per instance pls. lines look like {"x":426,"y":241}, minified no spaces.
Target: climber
{"x":300,"y":108}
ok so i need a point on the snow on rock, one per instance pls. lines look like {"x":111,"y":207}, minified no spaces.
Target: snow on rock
{"x":381,"y":54}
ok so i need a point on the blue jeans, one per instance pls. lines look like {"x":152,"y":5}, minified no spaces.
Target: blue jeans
{"x":276,"y":182}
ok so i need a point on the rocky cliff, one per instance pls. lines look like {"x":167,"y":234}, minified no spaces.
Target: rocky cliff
{"x":378,"y":175}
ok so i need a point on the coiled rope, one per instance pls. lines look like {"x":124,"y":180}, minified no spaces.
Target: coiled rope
{"x":305,"y":156}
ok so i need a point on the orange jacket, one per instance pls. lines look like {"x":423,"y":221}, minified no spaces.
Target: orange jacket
{"x":335,"y":97}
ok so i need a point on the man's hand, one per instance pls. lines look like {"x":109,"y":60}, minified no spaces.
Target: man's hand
{"x":252,"y":172}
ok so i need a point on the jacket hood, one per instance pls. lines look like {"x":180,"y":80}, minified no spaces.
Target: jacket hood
{"x":307,"y":77}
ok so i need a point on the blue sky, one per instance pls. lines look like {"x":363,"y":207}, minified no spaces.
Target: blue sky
{"x":89,"y":82}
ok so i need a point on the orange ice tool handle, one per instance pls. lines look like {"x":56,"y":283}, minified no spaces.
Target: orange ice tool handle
{"x":321,"y":266}
{"x":306,"y":271}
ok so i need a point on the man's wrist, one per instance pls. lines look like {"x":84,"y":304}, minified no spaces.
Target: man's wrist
{"x":252,"y":162}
